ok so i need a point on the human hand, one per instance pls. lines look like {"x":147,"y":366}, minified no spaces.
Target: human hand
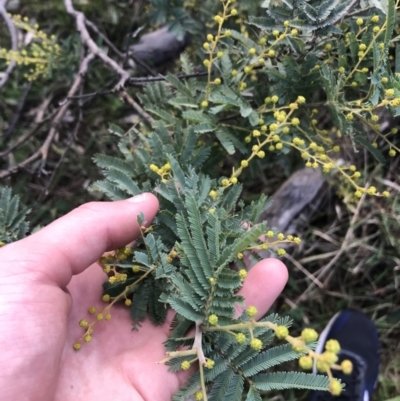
{"x":50,"y":279}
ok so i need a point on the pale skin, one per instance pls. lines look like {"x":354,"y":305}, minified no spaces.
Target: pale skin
{"x":48,"y":282}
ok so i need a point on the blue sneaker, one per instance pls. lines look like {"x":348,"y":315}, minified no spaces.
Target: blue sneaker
{"x":359,"y":342}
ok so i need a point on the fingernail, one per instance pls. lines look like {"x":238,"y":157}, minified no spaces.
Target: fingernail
{"x":138,"y":198}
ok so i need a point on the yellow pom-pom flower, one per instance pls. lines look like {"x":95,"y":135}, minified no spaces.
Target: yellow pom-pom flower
{"x":256,"y":344}
{"x":329,"y":357}
{"x":209,"y":363}
{"x":321,"y":366}
{"x":240,"y":338}
{"x":347,"y":367}
{"x":298,"y":345}
{"x":389,"y":92}
{"x":83,"y":323}
{"x":309,"y":335}
{"x":335,"y":387}
{"x":301,"y":99}
{"x":306,"y":362}
{"x":213,"y":319}
{"x":281,"y":332}
{"x":242,"y":274}
{"x":87,"y":338}
{"x":332,"y":346}
{"x":251,"y":311}
{"x":213,"y":194}
{"x":185,"y":365}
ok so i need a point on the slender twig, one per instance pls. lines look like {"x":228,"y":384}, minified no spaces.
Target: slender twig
{"x":29,"y":134}
{"x":121,"y":55}
{"x":110,"y":44}
{"x":304,"y":271}
{"x":14,"y":41}
{"x":143,"y":64}
{"x":89,"y":42}
{"x":127,"y":98}
{"x":87,"y":95}
{"x":132,"y":82}
{"x":71,"y":139}
{"x":361,"y":10}
{"x":143,"y":80}
{"x":18,"y":112}
{"x":42,"y":152}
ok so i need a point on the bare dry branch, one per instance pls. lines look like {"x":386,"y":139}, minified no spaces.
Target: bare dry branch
{"x":88,"y":41}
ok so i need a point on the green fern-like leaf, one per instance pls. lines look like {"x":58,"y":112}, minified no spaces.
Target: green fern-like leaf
{"x":285,"y":380}
{"x":13,"y":223}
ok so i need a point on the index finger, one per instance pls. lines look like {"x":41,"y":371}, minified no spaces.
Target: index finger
{"x":72,"y":243}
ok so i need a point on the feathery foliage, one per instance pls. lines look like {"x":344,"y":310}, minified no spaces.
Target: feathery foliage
{"x":13,"y":223}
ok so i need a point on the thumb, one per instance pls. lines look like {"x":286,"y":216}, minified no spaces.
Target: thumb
{"x":72,"y":243}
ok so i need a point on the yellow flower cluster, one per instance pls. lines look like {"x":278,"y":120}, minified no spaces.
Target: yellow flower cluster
{"x":118,"y":278}
{"x":163,"y":171}
{"x":39,"y":57}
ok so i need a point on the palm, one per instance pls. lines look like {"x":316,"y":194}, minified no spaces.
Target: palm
{"x":119,"y":363}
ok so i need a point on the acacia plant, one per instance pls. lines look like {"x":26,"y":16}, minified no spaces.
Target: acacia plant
{"x":269,"y":75}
